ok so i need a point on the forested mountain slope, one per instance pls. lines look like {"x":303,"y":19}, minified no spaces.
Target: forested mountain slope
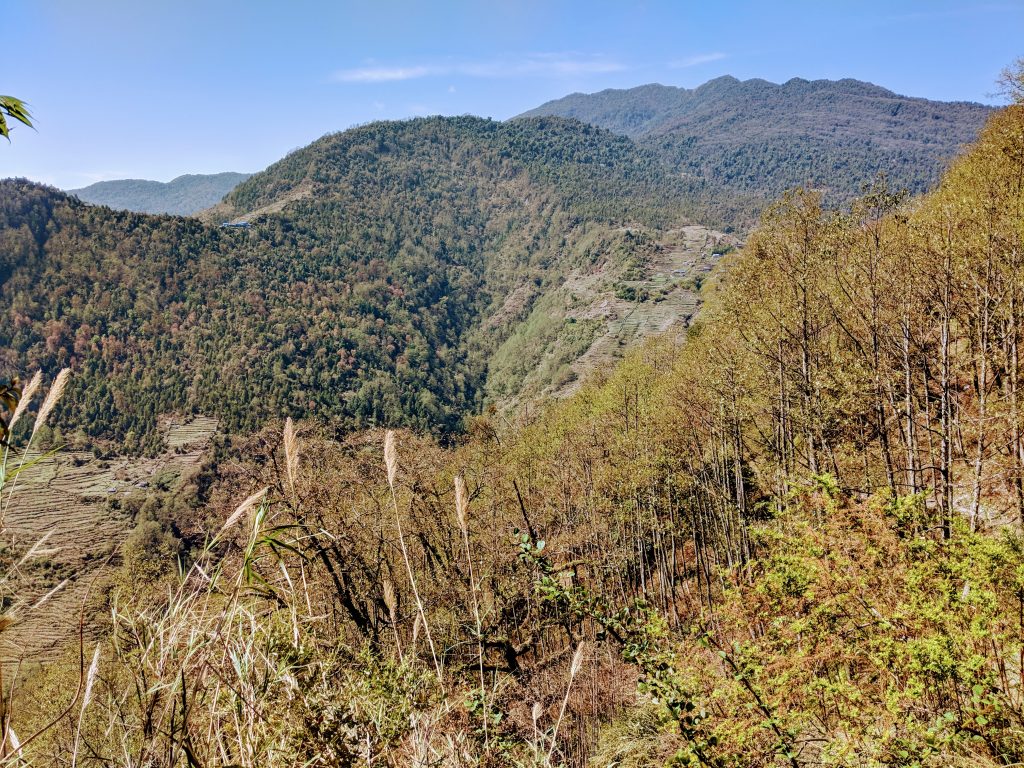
{"x":760,"y":138}
{"x":183,"y":196}
{"x":357,"y":293}
{"x":794,"y":540}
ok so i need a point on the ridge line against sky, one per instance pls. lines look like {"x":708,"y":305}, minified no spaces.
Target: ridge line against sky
{"x":154,"y":90}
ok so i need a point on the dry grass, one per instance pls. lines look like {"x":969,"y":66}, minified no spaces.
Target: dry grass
{"x":52,"y":397}
{"x":391,"y":464}
{"x":291,"y":452}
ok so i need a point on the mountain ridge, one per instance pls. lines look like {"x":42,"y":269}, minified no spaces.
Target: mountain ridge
{"x":755,"y":136}
{"x":183,"y":195}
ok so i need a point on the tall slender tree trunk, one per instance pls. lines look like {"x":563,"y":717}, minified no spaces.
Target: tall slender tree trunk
{"x":908,"y":409}
{"x":946,"y":404}
{"x":983,"y":345}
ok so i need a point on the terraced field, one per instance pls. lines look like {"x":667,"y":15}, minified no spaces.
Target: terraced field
{"x":684,"y":258}
{"x":604,"y":308}
{"x":66,"y":497}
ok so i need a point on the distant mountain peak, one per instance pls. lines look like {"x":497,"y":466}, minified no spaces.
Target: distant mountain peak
{"x":185,"y":195}
{"x":759,"y":137}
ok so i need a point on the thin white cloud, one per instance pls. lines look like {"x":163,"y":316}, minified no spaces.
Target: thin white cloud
{"x":530,"y":65}
{"x":697,"y":59}
{"x":380,"y":74}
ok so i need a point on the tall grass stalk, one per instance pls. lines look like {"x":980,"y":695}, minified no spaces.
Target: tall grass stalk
{"x":574,"y":668}
{"x":391,"y":465}
{"x":52,"y":397}
{"x":462,"y":513}
{"x":90,"y":680}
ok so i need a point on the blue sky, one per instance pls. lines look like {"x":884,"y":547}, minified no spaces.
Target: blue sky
{"x":154,"y":88}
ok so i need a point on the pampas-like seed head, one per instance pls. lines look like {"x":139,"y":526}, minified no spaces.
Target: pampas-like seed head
{"x":244,"y":507}
{"x":50,"y":594}
{"x":291,"y":451}
{"x":90,"y":678}
{"x":577,"y":662}
{"x":416,"y":627}
{"x":462,"y":504}
{"x":26,"y":397}
{"x":51,"y":399}
{"x":390,"y":600}
{"x":38,"y":549}
{"x":390,"y":456}
{"x":538,"y":710}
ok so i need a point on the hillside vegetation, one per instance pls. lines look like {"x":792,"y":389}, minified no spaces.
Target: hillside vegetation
{"x":358,"y":294}
{"x":412,"y":273}
{"x":182,"y":196}
{"x":793,"y":540}
{"x":756,"y":139}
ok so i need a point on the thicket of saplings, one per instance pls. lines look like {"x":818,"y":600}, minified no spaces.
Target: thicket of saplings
{"x":792,"y":540}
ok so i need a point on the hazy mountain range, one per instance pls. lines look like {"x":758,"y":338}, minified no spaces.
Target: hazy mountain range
{"x":183,"y":196}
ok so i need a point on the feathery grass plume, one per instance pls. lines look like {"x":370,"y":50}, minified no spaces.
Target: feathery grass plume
{"x":390,"y":456}
{"x":244,"y":507}
{"x":90,"y":680}
{"x":535,"y":713}
{"x":391,"y":463}
{"x":461,"y":503}
{"x":15,"y":744}
{"x":49,"y":594}
{"x":390,"y":601}
{"x":26,"y":397}
{"x":416,"y":624}
{"x":577,"y":662}
{"x":462,"y":513}
{"x":291,"y":452}
{"x":59,"y":383}
{"x":37,"y":549}
{"x":574,"y":669}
